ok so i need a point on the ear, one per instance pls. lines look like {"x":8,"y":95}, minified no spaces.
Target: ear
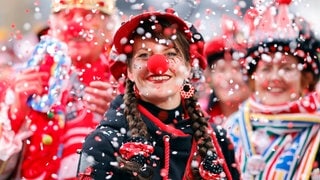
{"x":307,"y":81}
{"x":188,"y":72}
{"x":207,"y":72}
{"x":129,"y":74}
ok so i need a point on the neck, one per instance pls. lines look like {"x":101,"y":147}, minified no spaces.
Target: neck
{"x":166,"y":103}
{"x":227,"y":108}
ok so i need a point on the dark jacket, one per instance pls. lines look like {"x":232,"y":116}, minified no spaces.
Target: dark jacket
{"x":101,"y":146}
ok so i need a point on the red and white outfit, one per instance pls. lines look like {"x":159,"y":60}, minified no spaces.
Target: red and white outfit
{"x":51,"y":151}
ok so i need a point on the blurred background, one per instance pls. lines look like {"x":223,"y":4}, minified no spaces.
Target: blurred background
{"x":22,"y":19}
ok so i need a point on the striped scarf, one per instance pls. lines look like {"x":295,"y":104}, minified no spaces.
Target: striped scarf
{"x":285,"y":138}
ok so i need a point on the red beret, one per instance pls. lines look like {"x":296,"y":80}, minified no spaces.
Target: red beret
{"x":123,"y":35}
{"x":214,"y":46}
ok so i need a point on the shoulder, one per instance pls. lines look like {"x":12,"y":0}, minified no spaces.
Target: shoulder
{"x":115,"y":117}
{"x":112,"y":127}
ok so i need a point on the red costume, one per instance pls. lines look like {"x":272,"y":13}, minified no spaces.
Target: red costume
{"x":51,"y":151}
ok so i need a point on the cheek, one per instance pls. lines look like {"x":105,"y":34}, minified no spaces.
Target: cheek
{"x":175,"y":65}
{"x":217,"y":77}
{"x":139,"y":66}
{"x":263,"y":83}
{"x":179,"y":69}
{"x":293,"y":78}
{"x":139,"y":69}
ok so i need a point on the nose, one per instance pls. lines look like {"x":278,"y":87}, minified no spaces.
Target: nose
{"x":275,"y":76}
{"x":75,"y":24}
{"x":74,"y":28}
{"x":158,"y":64}
{"x":229,"y":74}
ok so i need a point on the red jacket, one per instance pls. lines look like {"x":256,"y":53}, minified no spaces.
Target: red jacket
{"x":51,"y":152}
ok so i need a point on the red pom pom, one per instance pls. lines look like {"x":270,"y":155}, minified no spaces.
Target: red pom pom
{"x":284,"y":1}
{"x":127,"y":49}
{"x":158,"y":64}
{"x":170,"y":10}
{"x":168,"y":32}
{"x":101,"y":3}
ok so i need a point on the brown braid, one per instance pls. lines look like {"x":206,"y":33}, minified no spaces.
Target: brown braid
{"x":137,"y":128}
{"x":136,"y":125}
{"x":200,"y":128}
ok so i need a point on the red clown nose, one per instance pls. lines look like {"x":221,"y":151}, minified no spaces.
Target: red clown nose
{"x":158,"y":64}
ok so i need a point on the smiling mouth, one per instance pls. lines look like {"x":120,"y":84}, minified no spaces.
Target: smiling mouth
{"x":275,"y":89}
{"x":159,"y":78}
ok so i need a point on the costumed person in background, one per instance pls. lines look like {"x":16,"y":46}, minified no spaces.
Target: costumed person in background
{"x":13,"y":54}
{"x":157,"y":130}
{"x":227,"y":82}
{"x":7,"y":57}
{"x":66,"y":88}
{"x":276,"y":132}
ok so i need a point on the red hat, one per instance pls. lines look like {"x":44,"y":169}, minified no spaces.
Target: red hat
{"x":278,"y":32}
{"x":124,"y":33}
{"x":214,"y":46}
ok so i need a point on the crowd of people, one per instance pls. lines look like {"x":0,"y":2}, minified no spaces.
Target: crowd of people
{"x":149,"y":98}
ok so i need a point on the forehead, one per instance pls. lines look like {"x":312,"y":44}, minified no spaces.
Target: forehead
{"x":277,"y":58}
{"x":150,"y":45}
{"x":142,"y":41}
{"x":226,"y":62}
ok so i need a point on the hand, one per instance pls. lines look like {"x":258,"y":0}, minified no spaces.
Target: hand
{"x":315,"y":174}
{"x":99,"y":94}
{"x":27,"y":83}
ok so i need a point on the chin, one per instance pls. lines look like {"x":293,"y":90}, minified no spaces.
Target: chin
{"x":274,"y":102}
{"x":157,"y":95}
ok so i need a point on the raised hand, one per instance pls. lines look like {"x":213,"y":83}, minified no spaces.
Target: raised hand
{"x":99,"y":94}
{"x":27,"y":83}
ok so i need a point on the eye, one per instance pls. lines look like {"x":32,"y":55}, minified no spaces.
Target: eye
{"x":171,"y":54}
{"x":266,"y":69}
{"x":287,"y":68}
{"x":143,"y":56}
{"x":220,"y":69}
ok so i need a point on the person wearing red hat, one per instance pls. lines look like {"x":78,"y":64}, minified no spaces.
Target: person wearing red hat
{"x":276,"y":132}
{"x":63,"y":93}
{"x":227,"y":82}
{"x":156,"y":129}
